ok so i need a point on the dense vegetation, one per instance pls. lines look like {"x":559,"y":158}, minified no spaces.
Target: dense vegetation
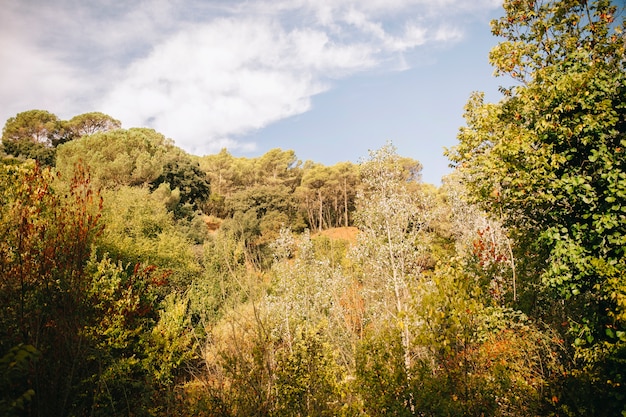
{"x":136,"y":279}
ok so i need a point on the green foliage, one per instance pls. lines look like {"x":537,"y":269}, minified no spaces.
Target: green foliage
{"x":307,"y":378}
{"x":501,"y":293}
{"x":31,"y":135}
{"x":139,"y":344}
{"x":282,"y":189}
{"x":88,"y":124}
{"x":15,"y":367}
{"x":327,"y":194}
{"x":140,"y":229}
{"x":118,"y":157}
{"x":306,"y":291}
{"x":35,"y":134}
{"x":240,"y":353}
{"x":391,"y":218}
{"x":37,"y":126}
{"x":549,"y":160}
{"x":46,"y":239}
{"x":381,"y":375}
{"x":273,"y":205}
{"x":27,"y":149}
{"x":185,"y":176}
{"x":479,"y":360}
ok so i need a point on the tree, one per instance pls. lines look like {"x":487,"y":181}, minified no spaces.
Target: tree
{"x":45,"y":243}
{"x":307,"y":293}
{"x":390,"y":218}
{"x":549,"y":160}
{"x":277,"y":167}
{"x":118,"y":157}
{"x":83,"y":125}
{"x":38,"y":126}
{"x":91,"y":123}
{"x":140,"y":229}
{"x":31,"y":134}
{"x":347,"y":178}
{"x":183,"y":174}
{"x":307,"y":377}
{"x":312,"y":193}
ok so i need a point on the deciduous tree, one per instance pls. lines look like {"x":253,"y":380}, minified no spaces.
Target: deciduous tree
{"x":549,"y":160}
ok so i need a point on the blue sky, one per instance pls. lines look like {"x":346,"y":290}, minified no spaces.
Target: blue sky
{"x":329,"y":79}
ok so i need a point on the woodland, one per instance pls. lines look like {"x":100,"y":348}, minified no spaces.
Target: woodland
{"x":139,"y":280}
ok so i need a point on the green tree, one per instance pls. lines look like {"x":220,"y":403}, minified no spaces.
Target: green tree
{"x":38,"y":126}
{"x":347,"y":180}
{"x":15,"y":368}
{"x":382,"y":378}
{"x":306,"y":293}
{"x":91,"y":123}
{"x":312,"y":193}
{"x":83,"y":125}
{"x":549,"y":159}
{"x":185,"y":175}
{"x":391,"y":218}
{"x":32,"y":134}
{"x":140,"y":229}
{"x":118,"y":157}
{"x":139,"y":342}
{"x":277,"y":167}
{"x":307,"y":377}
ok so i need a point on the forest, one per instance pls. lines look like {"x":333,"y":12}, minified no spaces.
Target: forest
{"x":139,"y":280}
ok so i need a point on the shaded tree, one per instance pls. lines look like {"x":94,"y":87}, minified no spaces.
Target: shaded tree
{"x":186,"y":176}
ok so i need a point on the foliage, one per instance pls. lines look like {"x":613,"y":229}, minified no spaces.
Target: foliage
{"x":15,"y":367}
{"x":500,"y":293}
{"x":240,"y":353}
{"x":307,"y":292}
{"x":307,"y":378}
{"x":118,"y":157}
{"x":390,"y":221}
{"x":139,"y":344}
{"x":184,"y":175}
{"x":27,"y":149}
{"x":108,"y":343}
{"x":549,"y":160}
{"x":37,"y":126}
{"x":478,"y":360}
{"x":327,"y":194}
{"x":31,"y":134}
{"x":382,"y":377}
{"x":140,"y":229}
{"x":46,"y":239}
{"x":34,"y":134}
{"x":88,"y":124}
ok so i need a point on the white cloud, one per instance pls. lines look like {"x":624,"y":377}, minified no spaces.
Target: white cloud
{"x":228,"y":78}
{"x":205,"y":72}
{"x":31,"y":79}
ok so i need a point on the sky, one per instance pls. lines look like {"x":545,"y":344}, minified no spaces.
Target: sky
{"x":330,"y":79}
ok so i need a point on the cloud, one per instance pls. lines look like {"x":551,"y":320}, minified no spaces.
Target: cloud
{"x":205,"y":72}
{"x":227,"y":78}
{"x":31,"y":79}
